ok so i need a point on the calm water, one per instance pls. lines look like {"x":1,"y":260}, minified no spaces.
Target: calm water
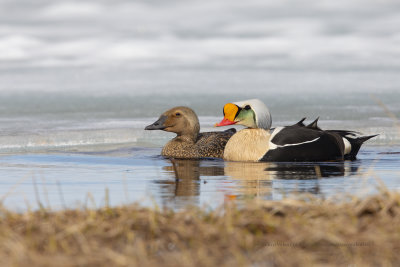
{"x":136,"y":175}
{"x":80,"y":80}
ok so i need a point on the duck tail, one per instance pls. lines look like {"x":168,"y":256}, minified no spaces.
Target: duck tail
{"x":356,"y":143}
{"x":356,"y":139}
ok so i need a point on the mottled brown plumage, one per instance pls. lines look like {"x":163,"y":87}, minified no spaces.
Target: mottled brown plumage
{"x":189,"y":142}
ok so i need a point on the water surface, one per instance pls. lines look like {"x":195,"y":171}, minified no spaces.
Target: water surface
{"x":124,"y":176}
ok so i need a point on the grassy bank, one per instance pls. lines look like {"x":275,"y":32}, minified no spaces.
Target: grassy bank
{"x":285,"y":233}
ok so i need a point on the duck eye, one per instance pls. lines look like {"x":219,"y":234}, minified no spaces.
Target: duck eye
{"x":247,"y":107}
{"x":177,"y":114}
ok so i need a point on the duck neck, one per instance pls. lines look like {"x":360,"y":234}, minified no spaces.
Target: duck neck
{"x":257,"y":128}
{"x":190,"y":132}
{"x":187,"y":138}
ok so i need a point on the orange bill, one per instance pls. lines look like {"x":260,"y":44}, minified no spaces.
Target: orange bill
{"x":224,"y":122}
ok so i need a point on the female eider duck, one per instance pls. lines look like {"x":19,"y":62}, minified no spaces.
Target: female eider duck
{"x":189,"y":142}
{"x":297,"y":142}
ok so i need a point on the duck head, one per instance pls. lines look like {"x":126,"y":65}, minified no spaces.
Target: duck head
{"x":251,"y":113}
{"x":180,"y":120}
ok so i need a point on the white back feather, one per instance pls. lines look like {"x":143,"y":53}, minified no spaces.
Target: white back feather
{"x":263,"y":117}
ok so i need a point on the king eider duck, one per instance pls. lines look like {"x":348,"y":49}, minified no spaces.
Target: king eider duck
{"x":297,"y":142}
{"x":189,"y":142}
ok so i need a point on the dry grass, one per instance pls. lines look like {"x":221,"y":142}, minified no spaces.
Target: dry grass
{"x":286,"y":233}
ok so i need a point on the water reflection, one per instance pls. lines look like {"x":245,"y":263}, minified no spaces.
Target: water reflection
{"x":252,"y":179}
{"x":288,"y":170}
{"x":306,"y":171}
{"x":247,"y":180}
{"x":307,"y":177}
{"x":187,"y":181}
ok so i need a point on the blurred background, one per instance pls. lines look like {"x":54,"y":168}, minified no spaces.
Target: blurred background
{"x":91,"y":73}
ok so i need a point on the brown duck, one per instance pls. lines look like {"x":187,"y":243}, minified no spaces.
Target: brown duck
{"x":189,"y":142}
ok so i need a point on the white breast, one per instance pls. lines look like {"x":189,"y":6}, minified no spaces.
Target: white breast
{"x":247,"y":145}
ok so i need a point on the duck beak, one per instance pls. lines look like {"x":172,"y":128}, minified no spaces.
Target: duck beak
{"x":230,"y":112}
{"x":158,"y":125}
{"x":224,"y":122}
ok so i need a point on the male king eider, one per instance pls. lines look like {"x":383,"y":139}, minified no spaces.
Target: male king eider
{"x":297,"y":142}
{"x":189,"y":142}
